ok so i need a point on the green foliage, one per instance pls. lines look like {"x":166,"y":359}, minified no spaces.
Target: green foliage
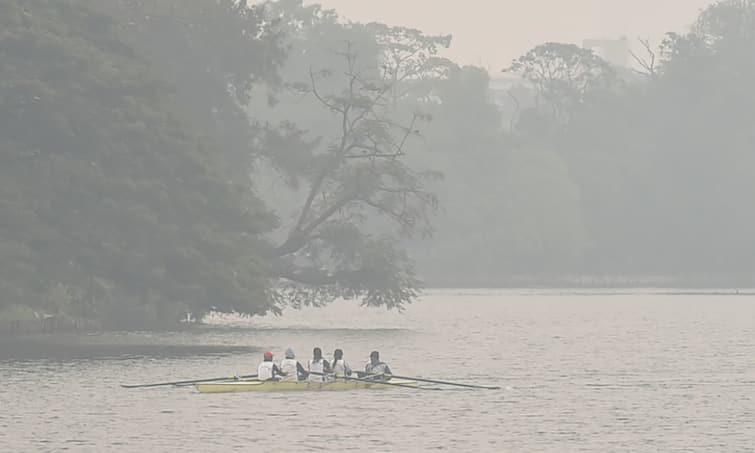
{"x":600,"y":172}
{"x":126,"y":156}
{"x":564,"y":76}
{"x":507,"y":211}
{"x":139,"y":138}
{"x":103,"y":190}
{"x":349,"y":125}
{"x":660,"y":162}
{"x":212,"y":54}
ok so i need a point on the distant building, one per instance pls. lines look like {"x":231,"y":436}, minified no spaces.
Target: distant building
{"x":614,"y":51}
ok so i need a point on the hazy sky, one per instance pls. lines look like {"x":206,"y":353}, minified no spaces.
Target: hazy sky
{"x":493,"y":32}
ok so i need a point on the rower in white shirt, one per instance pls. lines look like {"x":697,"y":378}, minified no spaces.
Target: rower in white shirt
{"x":340,"y":367}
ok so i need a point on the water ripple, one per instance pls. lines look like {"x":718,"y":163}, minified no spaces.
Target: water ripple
{"x":619,"y":373}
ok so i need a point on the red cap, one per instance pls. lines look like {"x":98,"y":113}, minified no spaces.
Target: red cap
{"x":268,"y":355}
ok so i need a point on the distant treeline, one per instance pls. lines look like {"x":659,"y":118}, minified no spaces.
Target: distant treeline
{"x":644,"y":176}
{"x":173,"y":156}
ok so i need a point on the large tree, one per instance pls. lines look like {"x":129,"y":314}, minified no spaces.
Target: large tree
{"x":563,"y":76}
{"x":351,"y":171}
{"x":662,"y":162}
{"x":212,"y":54}
{"x":104,"y":191}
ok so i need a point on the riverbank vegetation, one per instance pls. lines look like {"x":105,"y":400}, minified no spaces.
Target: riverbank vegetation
{"x":161,"y":158}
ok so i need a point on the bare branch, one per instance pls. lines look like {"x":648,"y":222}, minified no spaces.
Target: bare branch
{"x":313,"y":191}
{"x":374,"y":155}
{"x":317,"y":184}
{"x":647,"y":63}
{"x":327,"y":213}
{"x":407,"y":132}
{"x":317,"y":95}
{"x":308,"y":276}
{"x":359,"y":171}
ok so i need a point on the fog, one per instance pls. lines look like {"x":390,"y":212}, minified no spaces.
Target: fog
{"x":375,"y":225}
{"x":162,"y":160}
{"x":491,"y":33}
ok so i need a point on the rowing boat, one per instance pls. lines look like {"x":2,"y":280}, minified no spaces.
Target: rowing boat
{"x":285,"y":386}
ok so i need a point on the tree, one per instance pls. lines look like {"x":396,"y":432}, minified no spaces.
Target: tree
{"x":563,"y":76}
{"x":213,"y":54}
{"x":109,"y":204}
{"x":358,"y":173}
{"x":702,"y":107}
{"x":660,"y":161}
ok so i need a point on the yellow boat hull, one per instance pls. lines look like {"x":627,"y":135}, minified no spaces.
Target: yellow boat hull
{"x":285,"y":386}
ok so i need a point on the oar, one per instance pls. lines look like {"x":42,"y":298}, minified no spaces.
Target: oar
{"x":371,"y":381}
{"x":195,"y":381}
{"x":434,"y":381}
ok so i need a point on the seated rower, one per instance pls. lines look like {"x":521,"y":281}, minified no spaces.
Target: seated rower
{"x":268,"y":370}
{"x":293,"y":370}
{"x":340,"y":367}
{"x":318,"y":367}
{"x":377,"y":369}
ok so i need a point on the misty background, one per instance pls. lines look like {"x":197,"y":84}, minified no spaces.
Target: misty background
{"x":161,"y":158}
{"x":490,"y":33}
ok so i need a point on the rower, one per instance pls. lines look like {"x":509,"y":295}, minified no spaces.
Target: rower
{"x":318,"y":366}
{"x":293,"y":369}
{"x":268,"y":370}
{"x":377,"y":368}
{"x":340,"y":367}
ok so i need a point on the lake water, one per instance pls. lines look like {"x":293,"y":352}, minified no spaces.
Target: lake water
{"x":579,"y":373}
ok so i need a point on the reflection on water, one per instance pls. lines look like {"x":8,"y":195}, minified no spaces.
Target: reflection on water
{"x":579,"y":373}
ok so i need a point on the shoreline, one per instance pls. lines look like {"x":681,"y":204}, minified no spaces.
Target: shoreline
{"x":105,"y":345}
{"x":17,"y":321}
